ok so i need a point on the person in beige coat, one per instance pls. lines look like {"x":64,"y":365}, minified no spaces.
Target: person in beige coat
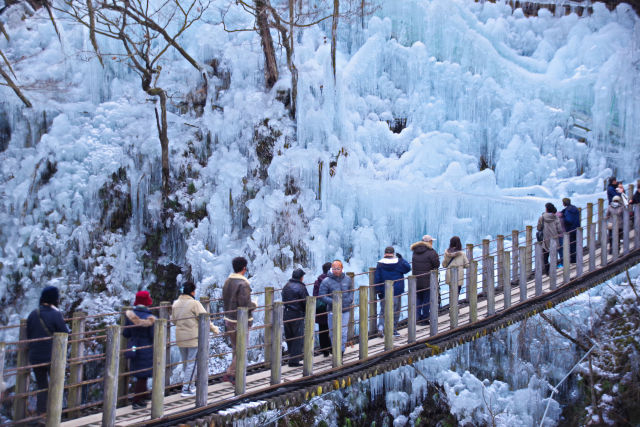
{"x":454,"y":257}
{"x":551,"y":229}
{"x":184,"y":314}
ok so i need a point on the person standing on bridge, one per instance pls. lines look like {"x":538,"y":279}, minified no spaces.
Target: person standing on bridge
{"x":391,"y":267}
{"x":321,"y":313}
{"x":236,"y":293}
{"x":612,"y":189}
{"x":184,"y":314}
{"x":294,"y":296}
{"x":614,"y":209}
{"x":337,"y":281}
{"x":424,"y":260}
{"x":454,"y":257}
{"x":139,"y":333}
{"x":571,"y":218}
{"x":550,"y":226}
{"x":43,"y":322}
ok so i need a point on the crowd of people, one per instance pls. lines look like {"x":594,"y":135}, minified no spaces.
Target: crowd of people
{"x":46,"y":320}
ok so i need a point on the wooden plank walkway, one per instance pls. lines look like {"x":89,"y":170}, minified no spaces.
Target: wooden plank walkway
{"x":221,"y":392}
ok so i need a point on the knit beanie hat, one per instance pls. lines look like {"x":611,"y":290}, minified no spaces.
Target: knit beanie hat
{"x":143,"y":298}
{"x":50,"y":295}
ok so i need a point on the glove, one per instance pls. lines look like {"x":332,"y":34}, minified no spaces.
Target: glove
{"x":398,"y":255}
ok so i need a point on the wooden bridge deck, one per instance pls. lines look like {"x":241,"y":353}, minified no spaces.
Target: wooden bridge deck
{"x":221,"y":392}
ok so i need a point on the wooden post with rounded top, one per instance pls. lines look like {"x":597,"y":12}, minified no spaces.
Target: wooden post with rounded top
{"x":202,"y":359}
{"x":268,"y":319}
{"x":515,"y":252}
{"x":373,"y":327}
{"x":364,"y":324}
{"x":74,"y":398}
{"x":469,"y":251}
{"x":276,"y":342}
{"x":506,"y":279}
{"x":538,"y":272}
{"x":615,"y":241}
{"x":56,"y":379}
{"x":453,"y":298}
{"x":309,"y":333}
{"x":579,"y":252}
{"x":522,"y":281}
{"x":472,"y":290}
{"x":566,"y":258}
{"x":22,"y":375}
{"x":529,"y":252}
{"x":123,"y":379}
{"x":625,"y":229}
{"x":164,"y":313}
{"x":411,"y":309}
{"x":388,"y":315}
{"x":603,"y":243}
{"x":433,"y":302}
{"x":591,"y":241}
{"x":242,"y":337}
{"x":491,"y":297}
{"x":602,"y":229}
{"x":553,"y":263}
{"x":336,"y":325}
{"x":351,"y":325}
{"x":485,"y":260}
{"x":159,"y":367}
{"x":112,"y":368}
{"x":589,"y":218}
{"x":499,"y":259}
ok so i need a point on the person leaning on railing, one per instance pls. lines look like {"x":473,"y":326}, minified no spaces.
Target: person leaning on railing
{"x":236,"y":292}
{"x":184,"y":314}
{"x":43,"y":322}
{"x":140,"y":346}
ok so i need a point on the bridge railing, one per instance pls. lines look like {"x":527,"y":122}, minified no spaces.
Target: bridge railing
{"x":90,"y":372}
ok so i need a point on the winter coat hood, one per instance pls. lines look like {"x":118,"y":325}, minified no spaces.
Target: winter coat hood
{"x":333,"y":283}
{"x":421,"y":247}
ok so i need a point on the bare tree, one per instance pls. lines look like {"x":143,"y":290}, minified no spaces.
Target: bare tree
{"x":146,"y":33}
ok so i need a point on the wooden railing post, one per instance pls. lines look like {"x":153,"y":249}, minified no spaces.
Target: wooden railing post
{"x":491,"y":290}
{"x":336,"y":326}
{"x":469,"y":251}
{"x":553,"y":263}
{"x":123,"y":380}
{"x":159,"y":367}
{"x":268,"y":319}
{"x":522,"y":281}
{"x":202,"y":360}
{"x":592,"y":248}
{"x":589,"y":219}
{"x":529,"y":252}
{"x":579,"y":252}
{"x":499,"y":259}
{"x":506,"y":278}
{"x":485,"y":260}
{"x":163,"y":312}
{"x":388,"y":315}
{"x":538,"y":272}
{"x":453,"y":299}
{"x":309,"y":325}
{"x":22,"y":376}
{"x":364,"y":324}
{"x":351,"y":324}
{"x":74,"y":397}
{"x":515,"y":252}
{"x":242,"y":337}
{"x":566,"y":259}
{"x":3,"y":349}
{"x":603,"y":242}
{"x":56,"y":379}
{"x":276,"y":342}
{"x":472,"y":290}
{"x":615,"y":241}
{"x":636,"y":226}
{"x":433,"y":302}
{"x":625,"y":229}
{"x":111,"y":372}
{"x":373,"y":310}
{"x":411,"y":309}
{"x":602,"y":227}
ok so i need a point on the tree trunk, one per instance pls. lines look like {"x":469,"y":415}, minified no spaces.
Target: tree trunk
{"x":292,"y":68}
{"x":164,"y":140}
{"x":334,"y":33}
{"x":270,"y":65}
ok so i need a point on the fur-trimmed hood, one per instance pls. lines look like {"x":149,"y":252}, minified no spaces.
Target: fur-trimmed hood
{"x":136,"y":320}
{"x":421,"y":247}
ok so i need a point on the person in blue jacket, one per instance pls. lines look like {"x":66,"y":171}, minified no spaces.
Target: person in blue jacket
{"x":139,"y":333}
{"x":391,"y":267}
{"x":43,"y":322}
{"x":611,"y":188}
{"x":571,"y":218}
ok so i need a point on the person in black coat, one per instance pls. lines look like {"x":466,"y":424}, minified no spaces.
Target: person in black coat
{"x":43,"y":322}
{"x":424,"y":260}
{"x":390,"y":267}
{"x":571,"y":220}
{"x":294,"y":291}
{"x":611,"y":188}
{"x":321,"y":313}
{"x":139,"y":333}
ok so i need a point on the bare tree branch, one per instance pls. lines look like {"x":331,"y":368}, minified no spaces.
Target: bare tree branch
{"x":15,"y":87}
{"x":558,"y":329}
